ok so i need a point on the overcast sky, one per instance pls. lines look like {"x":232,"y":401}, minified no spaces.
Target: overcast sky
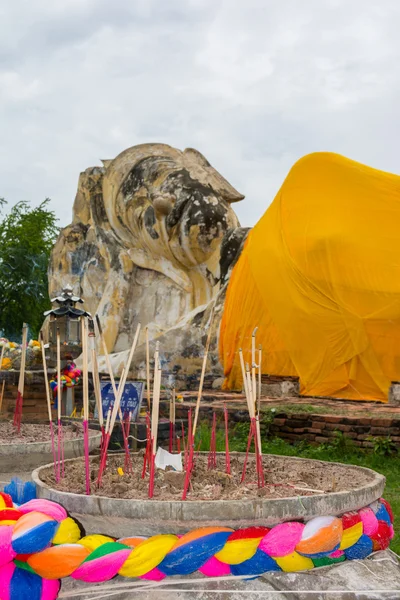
{"x":253,"y":84}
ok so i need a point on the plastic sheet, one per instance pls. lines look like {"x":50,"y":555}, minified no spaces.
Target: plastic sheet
{"x":320,"y":276}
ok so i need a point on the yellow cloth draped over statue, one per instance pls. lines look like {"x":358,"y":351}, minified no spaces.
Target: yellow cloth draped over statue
{"x":320,"y":276}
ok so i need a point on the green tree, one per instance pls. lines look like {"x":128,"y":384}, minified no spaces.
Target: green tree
{"x":26,"y":237}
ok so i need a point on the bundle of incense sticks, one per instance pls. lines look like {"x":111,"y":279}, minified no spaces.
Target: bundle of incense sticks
{"x":96,"y":380}
{"x":21,"y":382}
{"x":172,"y":422}
{"x":117,"y":399}
{"x":212,"y":456}
{"x":254,"y":433}
{"x":154,"y":418}
{"x":48,"y":399}
{"x":189,"y":449}
{"x":203,"y":372}
{"x":253,"y":387}
{"x":112,"y":379}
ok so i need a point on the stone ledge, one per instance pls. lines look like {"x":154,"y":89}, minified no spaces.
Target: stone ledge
{"x":23,"y":457}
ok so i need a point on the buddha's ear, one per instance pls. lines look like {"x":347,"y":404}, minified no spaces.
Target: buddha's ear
{"x":200,"y":169}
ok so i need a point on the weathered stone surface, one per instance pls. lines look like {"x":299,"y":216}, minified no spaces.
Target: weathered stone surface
{"x":394,"y":394}
{"x":375,"y":578}
{"x":145,"y":246}
{"x":30,"y":456}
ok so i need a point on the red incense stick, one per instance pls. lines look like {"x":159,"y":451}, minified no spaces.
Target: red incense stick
{"x":86,"y":448}
{"x":190,"y":453}
{"x":147,"y":453}
{"x":249,"y":439}
{"x":258,"y":457}
{"x":59,"y":454}
{"x":212,"y":456}
{"x":127,"y":461}
{"x":227,"y":455}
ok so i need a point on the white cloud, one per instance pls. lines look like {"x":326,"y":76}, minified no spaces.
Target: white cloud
{"x":253,"y":85}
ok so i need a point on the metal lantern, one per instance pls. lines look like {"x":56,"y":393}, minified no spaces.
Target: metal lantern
{"x":66,"y":319}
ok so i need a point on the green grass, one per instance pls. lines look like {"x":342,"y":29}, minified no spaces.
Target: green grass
{"x":290,"y":408}
{"x":341,"y":449}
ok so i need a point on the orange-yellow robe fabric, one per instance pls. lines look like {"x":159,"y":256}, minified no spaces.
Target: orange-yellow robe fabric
{"x":320,"y":276}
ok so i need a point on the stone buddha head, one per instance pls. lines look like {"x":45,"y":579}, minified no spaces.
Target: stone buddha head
{"x":169,"y":209}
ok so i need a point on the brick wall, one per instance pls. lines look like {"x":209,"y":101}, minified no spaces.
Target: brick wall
{"x":316,"y":429}
{"x":35,"y":405}
{"x":320,"y":428}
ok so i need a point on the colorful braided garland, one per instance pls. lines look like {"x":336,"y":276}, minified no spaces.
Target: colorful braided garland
{"x":40,"y":544}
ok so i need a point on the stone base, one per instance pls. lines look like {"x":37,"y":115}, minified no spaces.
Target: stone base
{"x":375,"y":578}
{"x":394,"y":394}
{"x":280,"y":387}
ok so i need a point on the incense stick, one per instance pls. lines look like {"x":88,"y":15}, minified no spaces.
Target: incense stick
{"x":148,"y":391}
{"x":257,"y":412}
{"x":117,"y":396}
{"x":190,"y":456}
{"x":172,"y":421}
{"x":203,"y":371}
{"x":85,"y":402}
{"x":59,"y":432}
{"x":124,"y":376}
{"x":96,"y":380}
{"x":253,"y":366}
{"x":97,"y":392}
{"x":227,"y":455}
{"x":254,"y":431}
{"x":154,"y":418}
{"x":127,"y":463}
{"x":48,"y":399}
{"x":147,"y":454}
{"x":21,"y":381}
{"x":212,"y":458}
{"x":108,"y":430}
{"x":245,"y":389}
{"x":112,"y":379}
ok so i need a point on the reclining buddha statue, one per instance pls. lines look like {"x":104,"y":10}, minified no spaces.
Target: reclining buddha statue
{"x":154,"y":239}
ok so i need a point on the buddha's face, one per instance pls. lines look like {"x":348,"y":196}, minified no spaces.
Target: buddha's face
{"x":169,"y":204}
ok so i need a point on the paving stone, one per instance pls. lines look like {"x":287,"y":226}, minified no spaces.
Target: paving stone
{"x":375,"y":578}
